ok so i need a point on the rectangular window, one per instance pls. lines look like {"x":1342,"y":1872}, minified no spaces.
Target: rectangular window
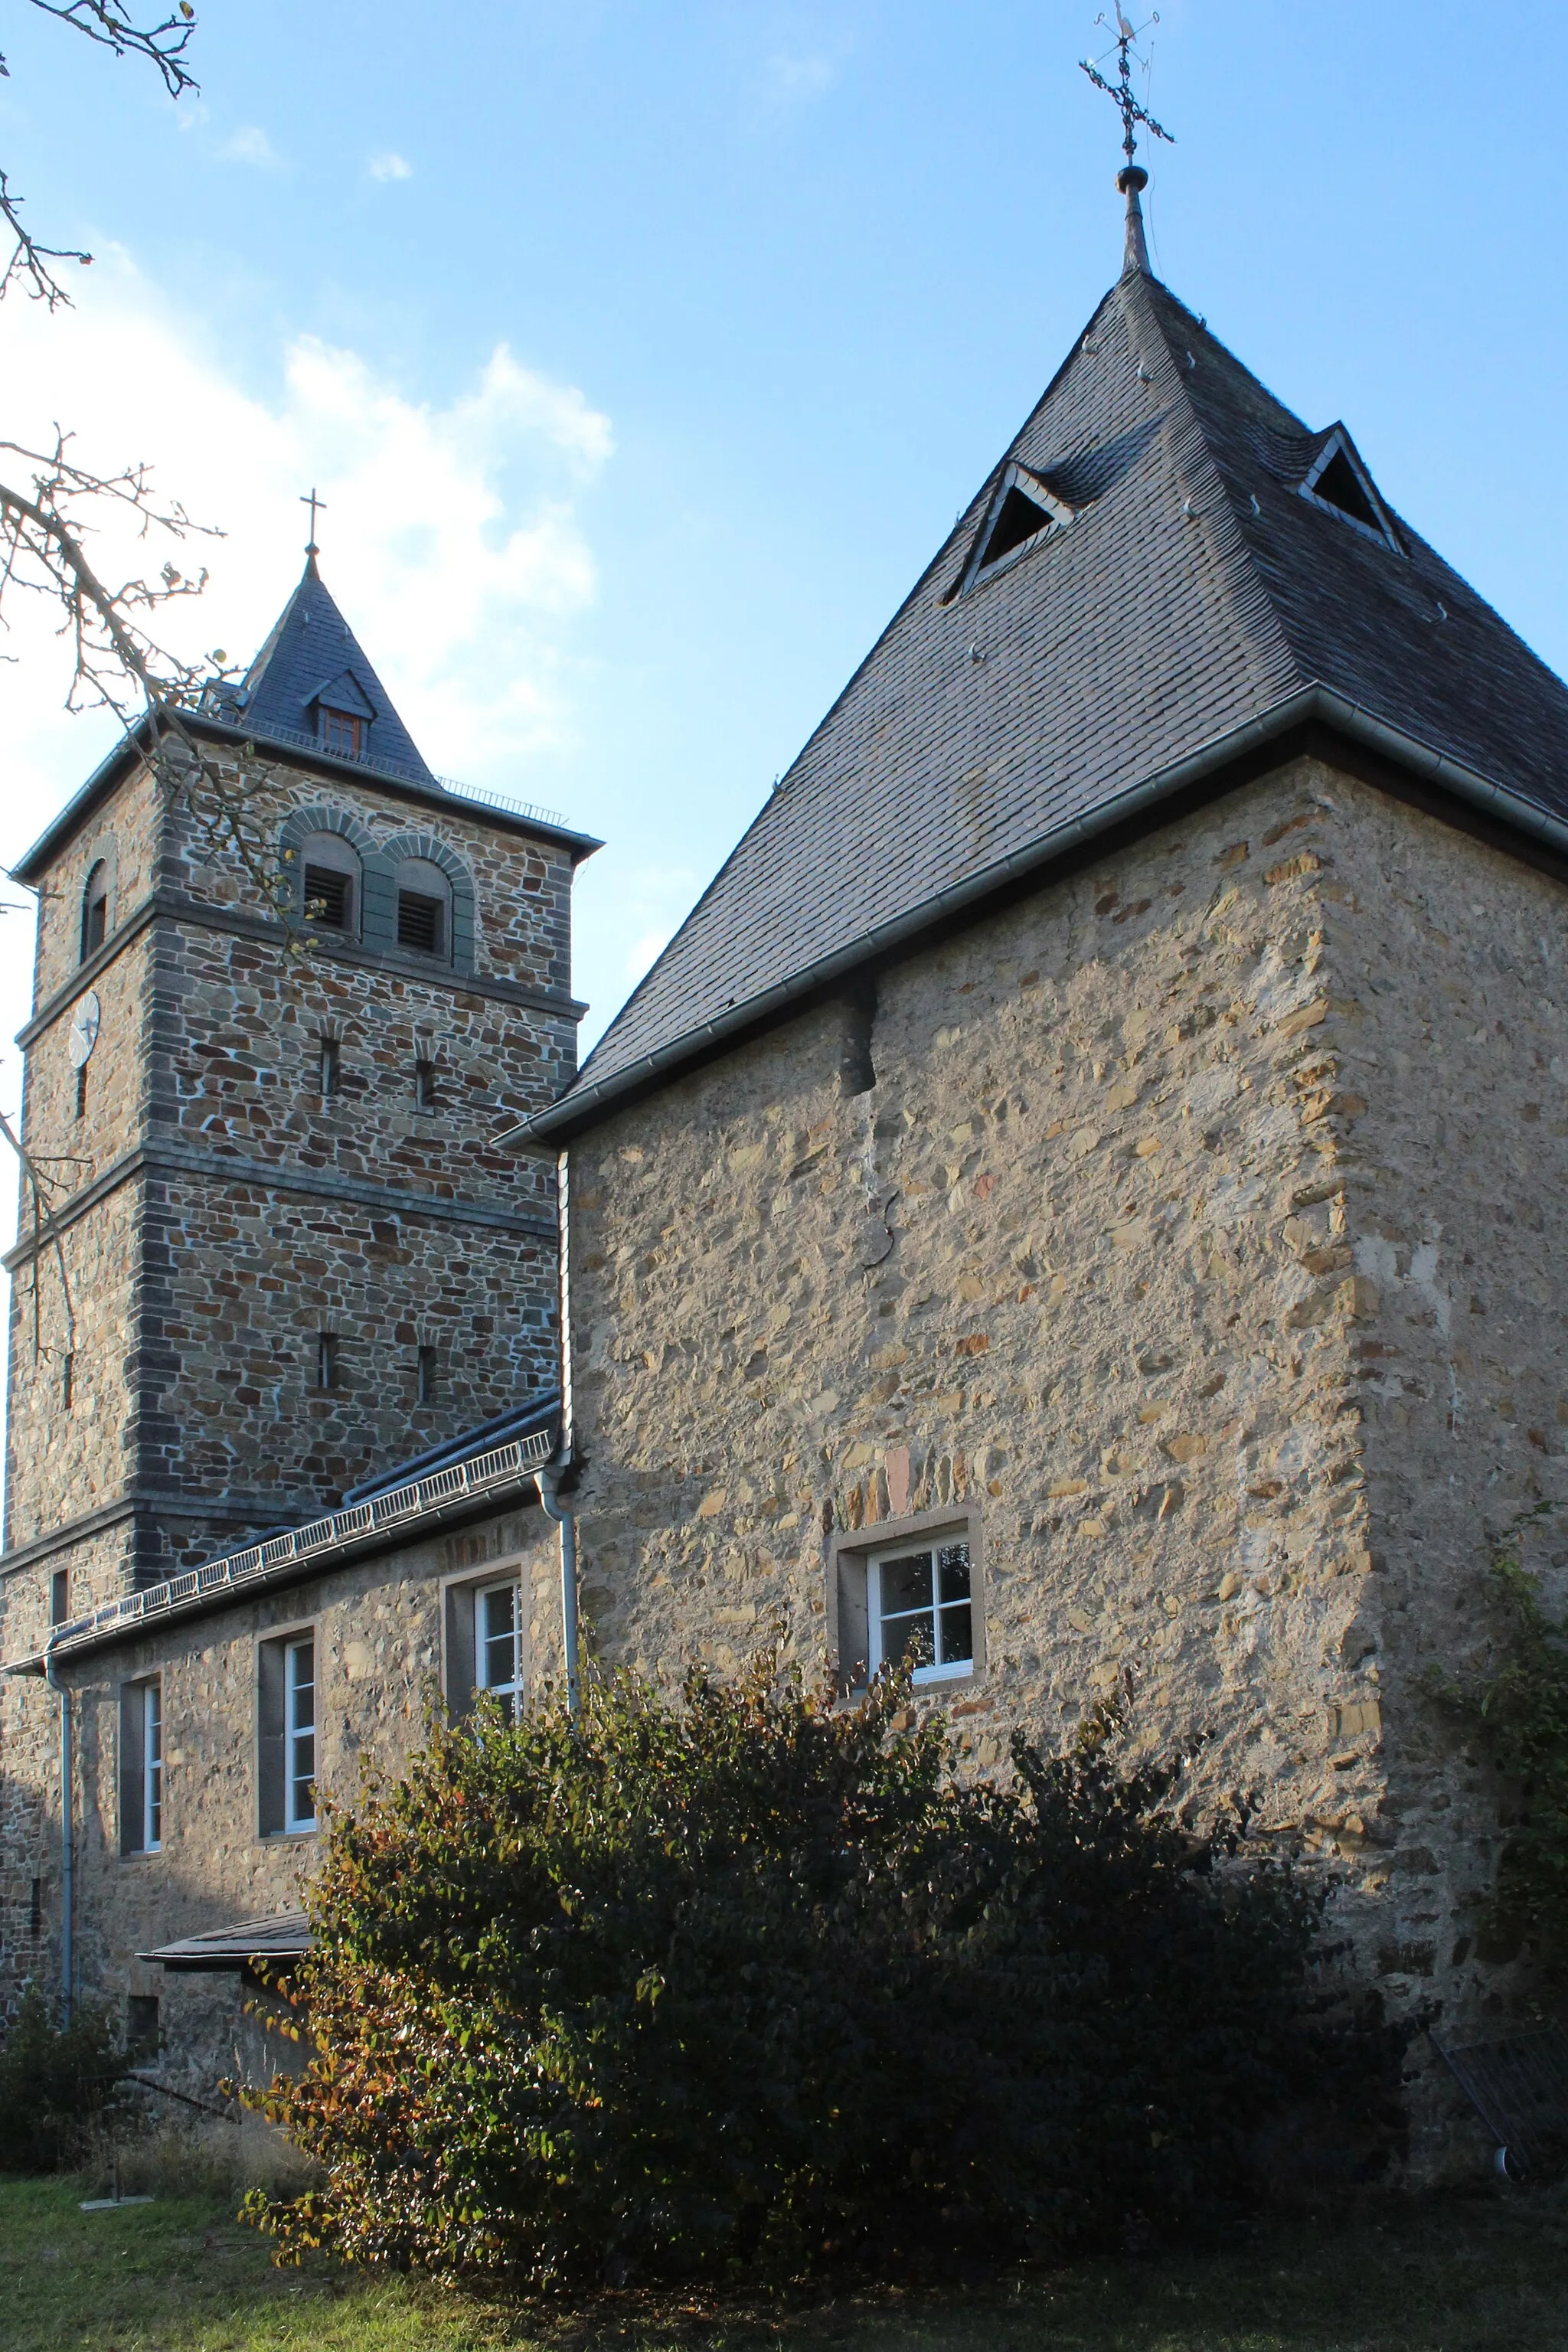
{"x":497,"y":1646}
{"x":420,"y":923}
{"x":286,"y":1728}
{"x":81,"y":1092}
{"x":424,"y":1377}
{"x":484,"y":1647}
{"x":424,"y":1085}
{"x":67,"y":1382}
{"x":143,"y":2038}
{"x":341,"y":731}
{"x":35,"y":1909}
{"x":60,"y":1594}
{"x":95,"y":930}
{"x":326,"y":1360}
{"x":329,"y":898}
{"x":141,"y":1767}
{"x":919,"y":1609}
{"x":328,"y":1075}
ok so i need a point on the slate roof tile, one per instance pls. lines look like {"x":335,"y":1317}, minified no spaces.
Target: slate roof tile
{"x":312,"y":649}
{"x":1195,"y":591}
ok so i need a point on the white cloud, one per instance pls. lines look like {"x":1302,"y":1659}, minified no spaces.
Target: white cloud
{"x":250,"y":144}
{"x":796,"y":78}
{"x":389,"y":166}
{"x":450,"y":538}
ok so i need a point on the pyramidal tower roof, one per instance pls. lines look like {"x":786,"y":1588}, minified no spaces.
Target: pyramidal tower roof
{"x":1165,"y":569}
{"x":314,"y":662}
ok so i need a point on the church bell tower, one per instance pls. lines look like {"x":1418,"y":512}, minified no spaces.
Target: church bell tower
{"x":279,"y":1021}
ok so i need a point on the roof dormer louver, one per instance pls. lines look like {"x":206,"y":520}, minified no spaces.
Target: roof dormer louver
{"x":1339,"y":480}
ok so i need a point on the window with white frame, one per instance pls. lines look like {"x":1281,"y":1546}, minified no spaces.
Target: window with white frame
{"x":141,"y":1767}
{"x":286,"y":1727}
{"x":486,"y":1651}
{"x":300,"y":1733}
{"x":919,"y":1609}
{"x":497,"y":1646}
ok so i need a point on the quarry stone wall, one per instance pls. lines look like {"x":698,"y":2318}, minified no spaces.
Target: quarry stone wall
{"x":379,"y":1666}
{"x":1131,"y":1258}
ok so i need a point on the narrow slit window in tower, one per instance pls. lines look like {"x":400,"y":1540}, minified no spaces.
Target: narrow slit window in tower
{"x":329,"y":1069}
{"x":81,"y":1091}
{"x":67,"y":1382}
{"x":326,"y":1360}
{"x":424,"y":1085}
{"x":95,"y":910}
{"x":60,"y":1596}
{"x":425,"y":1376}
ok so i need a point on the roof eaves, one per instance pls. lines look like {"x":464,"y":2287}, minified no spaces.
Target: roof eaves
{"x":584,"y":1105}
{"x":316,"y":759}
{"x":409,"y":1511}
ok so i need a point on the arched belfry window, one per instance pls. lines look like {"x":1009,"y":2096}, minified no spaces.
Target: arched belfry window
{"x":423,"y":908}
{"x":330,"y":882}
{"x":95,"y":909}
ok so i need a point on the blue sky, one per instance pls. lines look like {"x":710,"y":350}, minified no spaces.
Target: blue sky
{"x":773,"y":286}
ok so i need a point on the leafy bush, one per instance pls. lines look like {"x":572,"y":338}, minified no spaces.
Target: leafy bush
{"x":1520,"y":1715}
{"x":56,"y":2081}
{"x":751,"y":1982}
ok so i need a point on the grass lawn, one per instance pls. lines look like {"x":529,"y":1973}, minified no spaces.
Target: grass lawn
{"x":1453,"y":2276}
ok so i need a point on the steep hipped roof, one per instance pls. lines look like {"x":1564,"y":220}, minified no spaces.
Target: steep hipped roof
{"x":312,"y":659}
{"x":1203,"y":593}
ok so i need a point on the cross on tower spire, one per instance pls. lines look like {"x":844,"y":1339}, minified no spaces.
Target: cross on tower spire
{"x":1131,"y":177}
{"x":313,"y":502}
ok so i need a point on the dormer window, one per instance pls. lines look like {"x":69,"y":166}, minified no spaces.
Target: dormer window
{"x":1023,"y":512}
{"x":1339,"y":481}
{"x":343,"y":732}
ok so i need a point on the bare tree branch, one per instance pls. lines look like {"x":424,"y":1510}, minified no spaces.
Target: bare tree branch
{"x":162,"y":45}
{"x":116,"y":662}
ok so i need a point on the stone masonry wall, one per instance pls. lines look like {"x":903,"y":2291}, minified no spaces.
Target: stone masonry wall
{"x":1107,"y":1256}
{"x":379,"y":1666}
{"x":250,"y":1278}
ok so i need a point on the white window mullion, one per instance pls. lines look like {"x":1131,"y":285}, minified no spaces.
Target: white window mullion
{"x":152,"y":1767}
{"x":299,"y":1735}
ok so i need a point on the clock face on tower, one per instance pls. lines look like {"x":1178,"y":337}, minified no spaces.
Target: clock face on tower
{"x":84,"y":1029}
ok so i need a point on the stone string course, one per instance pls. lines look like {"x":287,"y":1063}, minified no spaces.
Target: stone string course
{"x":198,"y":1297}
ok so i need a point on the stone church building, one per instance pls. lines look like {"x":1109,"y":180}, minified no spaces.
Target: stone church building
{"x":1077,"y":1200}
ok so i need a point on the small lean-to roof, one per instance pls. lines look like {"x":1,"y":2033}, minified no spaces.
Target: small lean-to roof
{"x":279,"y":1940}
{"x":1197,"y":604}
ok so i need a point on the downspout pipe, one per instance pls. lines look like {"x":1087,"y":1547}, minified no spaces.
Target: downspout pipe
{"x":550,"y":1498}
{"x":68,"y":1841}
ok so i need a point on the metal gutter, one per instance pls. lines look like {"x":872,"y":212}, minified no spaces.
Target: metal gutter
{"x":303,"y":1551}
{"x":583,"y":1104}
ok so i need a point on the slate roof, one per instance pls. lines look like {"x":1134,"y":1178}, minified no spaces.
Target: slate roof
{"x":280,"y":1937}
{"x":1196,"y":599}
{"x":311,"y":656}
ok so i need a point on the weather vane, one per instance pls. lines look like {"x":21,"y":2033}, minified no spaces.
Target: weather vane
{"x":1120,"y":91}
{"x":313,"y":502}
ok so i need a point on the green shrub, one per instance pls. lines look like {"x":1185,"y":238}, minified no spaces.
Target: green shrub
{"x":1519,"y":1715}
{"x":56,"y":2081}
{"x":751,"y":1983}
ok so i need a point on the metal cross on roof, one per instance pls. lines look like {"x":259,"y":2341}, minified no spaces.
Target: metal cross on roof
{"x":1120,"y":91}
{"x":313,"y":502}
